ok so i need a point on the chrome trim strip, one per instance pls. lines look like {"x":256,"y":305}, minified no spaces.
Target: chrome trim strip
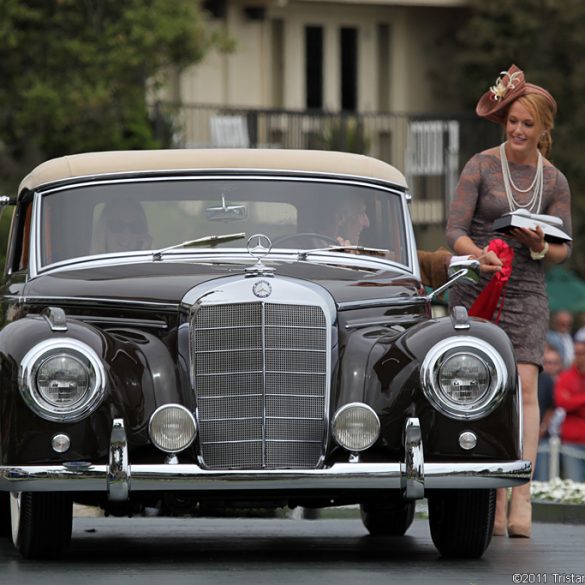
{"x":258,"y":174}
{"x":229,"y":256}
{"x":34,"y":299}
{"x":387,"y":321}
{"x":35,"y":228}
{"x":379,"y":303}
{"x":118,"y":472}
{"x":359,"y":476}
{"x":414,"y":462}
{"x":409,"y":236}
{"x":121,"y":321}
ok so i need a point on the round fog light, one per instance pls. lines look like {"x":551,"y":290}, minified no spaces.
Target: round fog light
{"x":356,"y":426}
{"x":467,"y":440}
{"x":172,"y":428}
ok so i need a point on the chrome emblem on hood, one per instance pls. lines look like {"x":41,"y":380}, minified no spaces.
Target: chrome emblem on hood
{"x":262,"y":289}
{"x":259,"y":245}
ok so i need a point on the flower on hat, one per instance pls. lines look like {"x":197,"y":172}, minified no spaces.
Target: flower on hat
{"x":510,"y":85}
{"x":501,"y":88}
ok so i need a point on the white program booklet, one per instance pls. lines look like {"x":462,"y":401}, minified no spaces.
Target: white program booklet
{"x":521,"y":218}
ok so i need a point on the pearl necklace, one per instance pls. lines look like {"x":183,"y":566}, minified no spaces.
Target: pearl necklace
{"x":536,"y":186}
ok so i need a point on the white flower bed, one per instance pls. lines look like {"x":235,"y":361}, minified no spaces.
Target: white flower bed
{"x":563,"y":491}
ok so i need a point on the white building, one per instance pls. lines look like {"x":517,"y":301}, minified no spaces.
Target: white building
{"x":334,"y":74}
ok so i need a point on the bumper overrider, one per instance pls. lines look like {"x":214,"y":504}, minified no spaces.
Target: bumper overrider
{"x":119,"y":478}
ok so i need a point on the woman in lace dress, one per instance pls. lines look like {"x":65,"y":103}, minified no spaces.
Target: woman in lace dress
{"x":515,"y":175}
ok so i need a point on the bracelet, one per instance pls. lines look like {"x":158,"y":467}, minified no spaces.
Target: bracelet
{"x":540,"y":255}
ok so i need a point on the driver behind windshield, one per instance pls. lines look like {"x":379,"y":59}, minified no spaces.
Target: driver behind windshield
{"x":121,"y":227}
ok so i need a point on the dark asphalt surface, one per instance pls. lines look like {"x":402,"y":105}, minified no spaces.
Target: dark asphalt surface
{"x":204,"y":551}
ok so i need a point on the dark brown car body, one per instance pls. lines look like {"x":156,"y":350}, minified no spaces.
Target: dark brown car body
{"x":269,"y":356}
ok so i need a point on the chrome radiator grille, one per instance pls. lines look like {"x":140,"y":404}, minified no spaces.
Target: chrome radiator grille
{"x":260,"y":374}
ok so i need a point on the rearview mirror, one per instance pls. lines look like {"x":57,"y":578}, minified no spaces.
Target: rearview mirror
{"x":226,"y":212}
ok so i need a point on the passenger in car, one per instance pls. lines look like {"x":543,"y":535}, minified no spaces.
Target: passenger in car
{"x":121,"y":227}
{"x":350,"y":219}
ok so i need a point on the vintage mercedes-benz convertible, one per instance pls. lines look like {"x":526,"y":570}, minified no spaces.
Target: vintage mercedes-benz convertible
{"x":240,"y":327}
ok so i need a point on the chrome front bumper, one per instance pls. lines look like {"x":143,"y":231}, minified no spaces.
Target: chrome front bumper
{"x":119,"y":478}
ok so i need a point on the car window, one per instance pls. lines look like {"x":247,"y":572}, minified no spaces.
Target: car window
{"x":150,"y":215}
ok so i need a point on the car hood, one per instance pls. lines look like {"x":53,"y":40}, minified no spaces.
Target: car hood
{"x":166,"y":282}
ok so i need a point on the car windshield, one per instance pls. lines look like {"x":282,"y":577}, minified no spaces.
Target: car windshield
{"x":134,"y":215}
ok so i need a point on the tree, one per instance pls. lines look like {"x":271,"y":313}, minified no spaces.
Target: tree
{"x":75,"y":73}
{"x":545,"y":38}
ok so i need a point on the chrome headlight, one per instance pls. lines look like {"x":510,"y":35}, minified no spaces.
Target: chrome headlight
{"x":356,"y":426}
{"x":172,"y":428}
{"x":463,"y":377}
{"x":62,"y":379}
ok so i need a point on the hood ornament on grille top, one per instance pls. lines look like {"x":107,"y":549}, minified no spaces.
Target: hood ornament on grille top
{"x":259,"y":247}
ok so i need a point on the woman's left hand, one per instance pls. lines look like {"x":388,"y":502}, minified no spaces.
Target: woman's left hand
{"x":533,"y":239}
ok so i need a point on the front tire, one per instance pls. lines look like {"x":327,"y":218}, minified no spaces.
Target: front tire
{"x":462,"y":521}
{"x":41,"y":523}
{"x":391,"y":518}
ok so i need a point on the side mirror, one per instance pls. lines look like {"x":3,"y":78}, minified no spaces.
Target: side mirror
{"x":6,"y":200}
{"x":468,"y":269}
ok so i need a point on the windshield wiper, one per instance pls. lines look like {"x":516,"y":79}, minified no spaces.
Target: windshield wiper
{"x":206,"y":241}
{"x":360,"y":250}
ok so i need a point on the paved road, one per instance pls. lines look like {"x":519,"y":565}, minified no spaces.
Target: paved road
{"x":177,"y":551}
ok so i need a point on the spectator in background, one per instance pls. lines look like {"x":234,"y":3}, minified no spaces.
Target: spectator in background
{"x":580,"y":333}
{"x":570,"y":395}
{"x":552,"y":366}
{"x":552,"y":362}
{"x":559,"y":335}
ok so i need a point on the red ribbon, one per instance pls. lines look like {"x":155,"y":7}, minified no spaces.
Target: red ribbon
{"x":487,"y":301}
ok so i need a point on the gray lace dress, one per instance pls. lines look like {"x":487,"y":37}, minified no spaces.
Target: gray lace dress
{"x":480,"y":198}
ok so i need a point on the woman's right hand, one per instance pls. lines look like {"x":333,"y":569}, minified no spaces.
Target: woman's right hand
{"x":489,"y":261}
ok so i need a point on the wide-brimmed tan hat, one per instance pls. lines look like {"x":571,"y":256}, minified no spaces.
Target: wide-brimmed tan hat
{"x":510,"y":85}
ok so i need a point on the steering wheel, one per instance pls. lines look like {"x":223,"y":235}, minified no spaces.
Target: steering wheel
{"x":304,"y":235}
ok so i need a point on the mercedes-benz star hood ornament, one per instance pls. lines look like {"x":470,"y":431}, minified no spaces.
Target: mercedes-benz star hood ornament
{"x":259,"y":247}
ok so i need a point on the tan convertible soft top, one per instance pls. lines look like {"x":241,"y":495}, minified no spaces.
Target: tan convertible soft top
{"x":312,"y":161}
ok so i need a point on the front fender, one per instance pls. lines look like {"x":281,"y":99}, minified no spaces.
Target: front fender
{"x":400,"y":382}
{"x":140,"y":375}
{"x":24,"y":436}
